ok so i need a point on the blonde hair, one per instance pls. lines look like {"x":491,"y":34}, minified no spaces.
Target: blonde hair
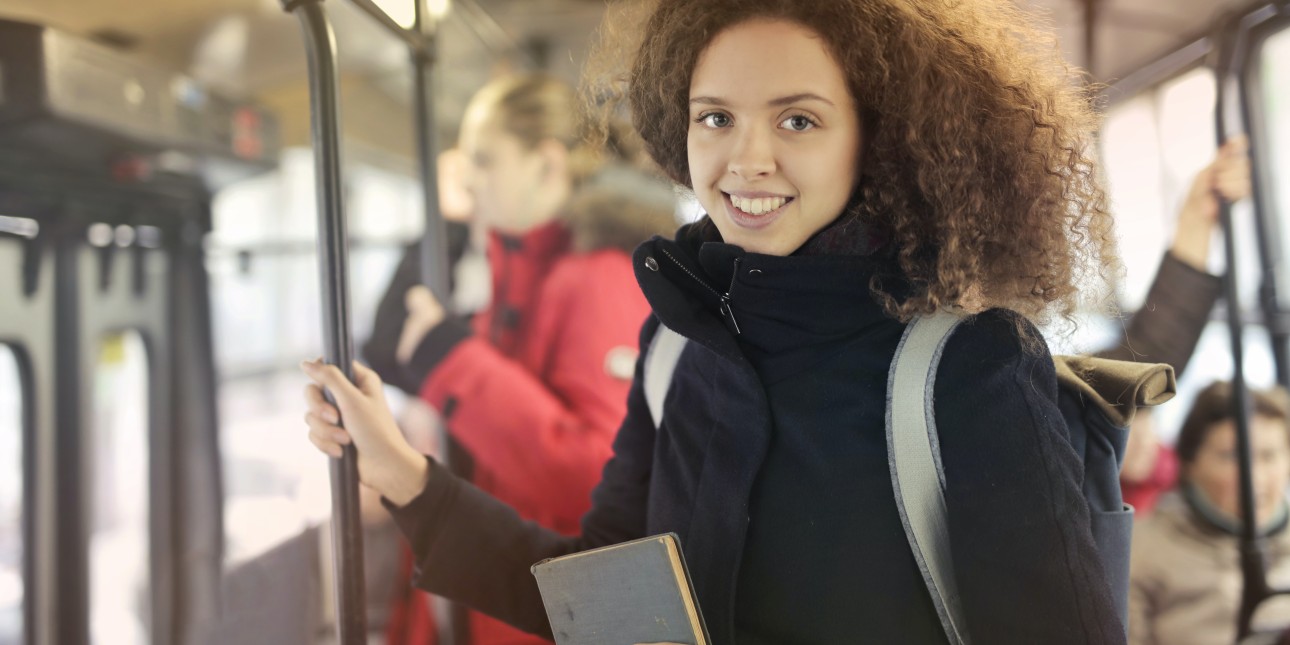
{"x":535,"y":108}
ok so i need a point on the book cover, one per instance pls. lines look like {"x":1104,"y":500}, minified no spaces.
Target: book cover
{"x":634,"y":592}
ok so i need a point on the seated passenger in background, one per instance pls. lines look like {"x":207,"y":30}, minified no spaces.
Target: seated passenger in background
{"x":1174,"y":314}
{"x":1186,"y":577}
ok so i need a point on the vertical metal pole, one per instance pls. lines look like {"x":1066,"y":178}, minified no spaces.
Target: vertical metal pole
{"x":72,"y":533}
{"x":434,"y":242}
{"x":1254,"y":588}
{"x":450,"y":619}
{"x":1090,"y":37}
{"x":324,"y":98}
{"x":1269,"y":238}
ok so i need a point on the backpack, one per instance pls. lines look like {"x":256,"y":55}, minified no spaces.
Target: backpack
{"x":1097,"y":398}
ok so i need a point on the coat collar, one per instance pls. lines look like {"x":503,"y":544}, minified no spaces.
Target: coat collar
{"x":771,"y":310}
{"x":548,"y":240}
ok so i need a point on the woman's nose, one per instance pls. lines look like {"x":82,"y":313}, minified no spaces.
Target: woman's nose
{"x":753,"y":155}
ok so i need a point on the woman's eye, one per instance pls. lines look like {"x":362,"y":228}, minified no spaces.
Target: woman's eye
{"x":797,"y":123}
{"x":715,"y":120}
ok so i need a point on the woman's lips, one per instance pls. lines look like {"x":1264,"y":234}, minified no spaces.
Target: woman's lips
{"x":745,"y":219}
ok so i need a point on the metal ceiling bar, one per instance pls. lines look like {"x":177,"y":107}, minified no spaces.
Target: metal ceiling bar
{"x":1194,"y":53}
{"x":414,"y":39}
{"x":1159,"y":70}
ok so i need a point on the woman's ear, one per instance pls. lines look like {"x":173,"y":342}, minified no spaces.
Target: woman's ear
{"x":555,"y":160}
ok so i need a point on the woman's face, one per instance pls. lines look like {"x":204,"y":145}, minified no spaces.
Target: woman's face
{"x":774,"y":140}
{"x":1214,"y":470}
{"x":504,"y":177}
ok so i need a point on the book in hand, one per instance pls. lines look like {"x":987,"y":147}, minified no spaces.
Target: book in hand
{"x":634,"y":592}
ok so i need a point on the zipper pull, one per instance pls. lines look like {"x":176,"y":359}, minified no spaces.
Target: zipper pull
{"x":727,"y":312}
{"x":725,"y":309}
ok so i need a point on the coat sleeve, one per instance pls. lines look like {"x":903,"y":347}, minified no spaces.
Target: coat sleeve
{"x":474,"y":549}
{"x":1169,"y":324}
{"x":545,"y":438}
{"x":379,"y":348}
{"x":1026,"y":564}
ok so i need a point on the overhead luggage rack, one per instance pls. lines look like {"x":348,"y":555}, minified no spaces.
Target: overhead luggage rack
{"x":77,"y":102}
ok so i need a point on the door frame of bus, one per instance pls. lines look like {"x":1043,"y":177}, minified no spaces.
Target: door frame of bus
{"x":324,"y":100}
{"x":28,"y":336}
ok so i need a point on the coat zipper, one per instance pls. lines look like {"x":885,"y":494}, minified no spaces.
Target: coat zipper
{"x":726,"y":311}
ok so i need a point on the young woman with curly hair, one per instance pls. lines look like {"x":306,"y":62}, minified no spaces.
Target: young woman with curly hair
{"x":861,"y":162}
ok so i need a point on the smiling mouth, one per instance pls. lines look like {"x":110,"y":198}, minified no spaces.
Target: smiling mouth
{"x":758,"y":206}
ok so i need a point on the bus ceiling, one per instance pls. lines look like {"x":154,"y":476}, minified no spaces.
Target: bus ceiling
{"x":248,"y":50}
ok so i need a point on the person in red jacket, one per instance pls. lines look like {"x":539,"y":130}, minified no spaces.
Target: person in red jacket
{"x":533,"y":388}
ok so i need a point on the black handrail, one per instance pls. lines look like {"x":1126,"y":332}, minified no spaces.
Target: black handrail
{"x":324,"y":99}
{"x":433,"y":247}
{"x":1270,"y":249}
{"x":1229,"y":58}
{"x":1254,"y":587}
{"x":433,"y":254}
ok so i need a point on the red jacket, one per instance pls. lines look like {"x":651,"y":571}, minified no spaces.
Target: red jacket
{"x":535,"y":388}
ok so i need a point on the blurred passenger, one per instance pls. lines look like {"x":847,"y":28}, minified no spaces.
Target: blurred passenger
{"x":1186,"y":574}
{"x":533,"y":388}
{"x":1175,"y":312}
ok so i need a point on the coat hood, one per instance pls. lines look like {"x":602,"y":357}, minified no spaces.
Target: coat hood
{"x":620,"y":207}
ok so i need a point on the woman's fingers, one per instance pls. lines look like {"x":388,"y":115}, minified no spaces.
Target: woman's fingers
{"x":317,"y":403}
{"x":327,"y":437}
{"x":330,"y":377}
{"x":1236,"y":145}
{"x":1233,"y":180}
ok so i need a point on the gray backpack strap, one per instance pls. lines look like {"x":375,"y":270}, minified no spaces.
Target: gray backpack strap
{"x":913,"y":455}
{"x":660,"y":362}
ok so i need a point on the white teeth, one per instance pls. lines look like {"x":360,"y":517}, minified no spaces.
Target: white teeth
{"x":758,"y":206}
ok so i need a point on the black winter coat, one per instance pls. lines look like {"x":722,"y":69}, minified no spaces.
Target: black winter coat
{"x":771,"y":466}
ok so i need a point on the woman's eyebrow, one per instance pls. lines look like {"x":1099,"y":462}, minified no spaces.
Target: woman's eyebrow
{"x":796,"y":98}
{"x":777,"y":102}
{"x":707,"y":100}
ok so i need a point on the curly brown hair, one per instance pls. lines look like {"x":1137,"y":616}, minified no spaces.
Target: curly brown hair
{"x":978,"y":166}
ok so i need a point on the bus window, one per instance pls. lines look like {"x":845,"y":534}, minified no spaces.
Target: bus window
{"x":1131,"y":157}
{"x":1187,"y":142}
{"x":118,"y":453}
{"x":266,"y":304}
{"x":11,"y":506}
{"x":1152,"y":147}
{"x":1276,"y":95}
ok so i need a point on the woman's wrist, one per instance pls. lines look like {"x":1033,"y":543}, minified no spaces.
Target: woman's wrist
{"x":1192,"y":241}
{"x":404,"y":480}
